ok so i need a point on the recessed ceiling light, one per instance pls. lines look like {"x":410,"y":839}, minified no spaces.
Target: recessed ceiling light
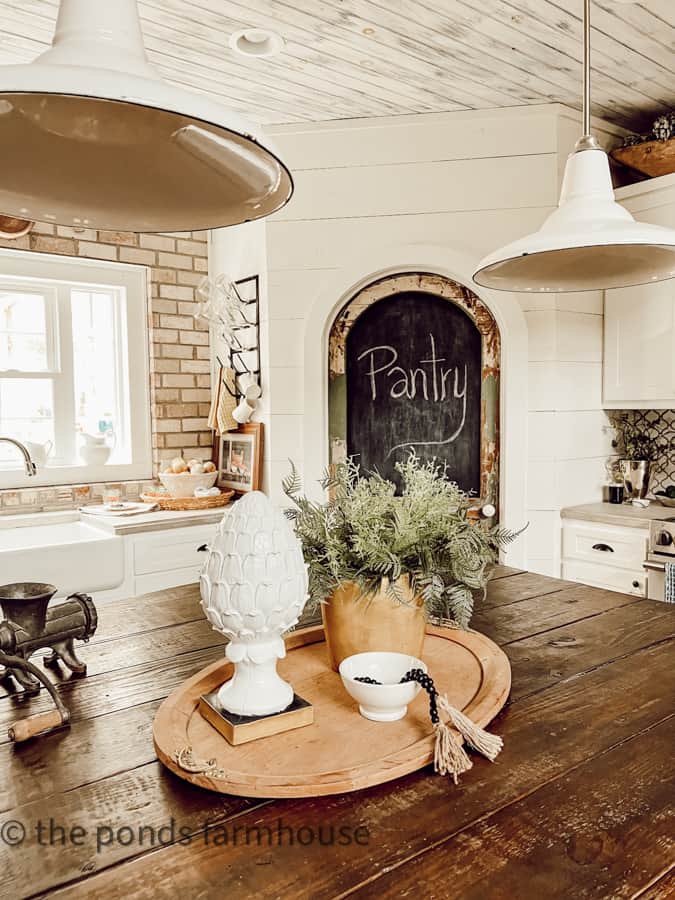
{"x":368,"y":31}
{"x":256,"y":42}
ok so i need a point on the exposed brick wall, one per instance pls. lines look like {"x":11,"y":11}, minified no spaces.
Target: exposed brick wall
{"x":180,"y":389}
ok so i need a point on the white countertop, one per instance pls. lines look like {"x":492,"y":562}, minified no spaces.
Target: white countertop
{"x":118,"y":525}
{"x":618,"y":513}
{"x":156,"y":521}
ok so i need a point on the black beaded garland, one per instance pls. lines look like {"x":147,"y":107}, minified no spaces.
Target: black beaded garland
{"x":424,"y":680}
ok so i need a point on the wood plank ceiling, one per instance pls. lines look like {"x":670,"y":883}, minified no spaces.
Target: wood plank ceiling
{"x":354,"y":58}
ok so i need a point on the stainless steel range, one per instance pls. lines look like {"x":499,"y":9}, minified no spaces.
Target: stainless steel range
{"x":660,"y":550}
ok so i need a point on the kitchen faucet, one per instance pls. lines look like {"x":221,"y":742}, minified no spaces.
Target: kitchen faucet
{"x":31,"y":468}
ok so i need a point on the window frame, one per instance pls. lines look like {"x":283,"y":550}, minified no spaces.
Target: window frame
{"x":62,"y":273}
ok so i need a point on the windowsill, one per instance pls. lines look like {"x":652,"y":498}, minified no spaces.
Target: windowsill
{"x":67,"y":476}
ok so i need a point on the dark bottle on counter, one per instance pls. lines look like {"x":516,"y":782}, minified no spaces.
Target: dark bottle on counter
{"x":616,"y":493}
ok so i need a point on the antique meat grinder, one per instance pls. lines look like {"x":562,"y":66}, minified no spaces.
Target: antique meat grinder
{"x":29,"y":626}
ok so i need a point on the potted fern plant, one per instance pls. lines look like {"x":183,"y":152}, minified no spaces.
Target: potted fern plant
{"x":381,"y":565}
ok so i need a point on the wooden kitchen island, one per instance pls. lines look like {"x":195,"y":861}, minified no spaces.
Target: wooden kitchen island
{"x":579,"y":804}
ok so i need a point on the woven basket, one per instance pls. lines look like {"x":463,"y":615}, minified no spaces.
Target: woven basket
{"x":12,"y":228}
{"x":177,"y":504}
{"x":652,"y":158}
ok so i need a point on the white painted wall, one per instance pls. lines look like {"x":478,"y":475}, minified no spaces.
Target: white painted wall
{"x":438,"y":191}
{"x":238,"y":252}
{"x":569,"y":438}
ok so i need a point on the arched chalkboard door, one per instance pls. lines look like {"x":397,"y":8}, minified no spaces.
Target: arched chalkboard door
{"x":414,"y":363}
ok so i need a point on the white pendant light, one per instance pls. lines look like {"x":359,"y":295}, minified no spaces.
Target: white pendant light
{"x":91,"y":135}
{"x":590,"y":242}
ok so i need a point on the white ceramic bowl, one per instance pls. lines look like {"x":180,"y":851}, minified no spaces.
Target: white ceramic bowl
{"x":388,"y":701}
{"x":184,"y":485}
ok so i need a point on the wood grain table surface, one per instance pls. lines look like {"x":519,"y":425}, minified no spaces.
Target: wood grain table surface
{"x":579,"y":804}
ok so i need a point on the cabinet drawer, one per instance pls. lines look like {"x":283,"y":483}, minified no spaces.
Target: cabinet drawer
{"x":621,"y":580}
{"x":606,"y":545}
{"x":174,"y":548}
{"x":161,"y":581}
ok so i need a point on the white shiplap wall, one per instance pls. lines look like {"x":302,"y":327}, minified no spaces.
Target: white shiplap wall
{"x":569,"y":439}
{"x":470,"y":182}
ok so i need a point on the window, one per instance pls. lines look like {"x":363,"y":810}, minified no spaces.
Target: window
{"x":73,"y":369}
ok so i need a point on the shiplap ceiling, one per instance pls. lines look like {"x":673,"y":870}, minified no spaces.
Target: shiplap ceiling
{"x":354,"y":58}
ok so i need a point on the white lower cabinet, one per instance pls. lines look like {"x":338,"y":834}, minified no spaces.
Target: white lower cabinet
{"x":163,"y":559}
{"x":605,"y":556}
{"x":621,"y":580}
{"x":158,"y":560}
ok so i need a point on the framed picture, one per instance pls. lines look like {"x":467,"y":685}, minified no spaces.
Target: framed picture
{"x":238,"y":456}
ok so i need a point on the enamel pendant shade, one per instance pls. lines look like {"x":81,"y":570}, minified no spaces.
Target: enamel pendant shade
{"x":92,"y":136}
{"x":589,"y":243}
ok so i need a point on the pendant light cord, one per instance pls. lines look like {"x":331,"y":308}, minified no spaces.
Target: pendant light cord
{"x":587,"y":141}
{"x":587,"y":68}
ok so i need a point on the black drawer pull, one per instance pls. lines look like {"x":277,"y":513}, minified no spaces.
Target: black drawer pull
{"x":604,"y":548}
{"x":203,"y":549}
{"x":636,"y":584}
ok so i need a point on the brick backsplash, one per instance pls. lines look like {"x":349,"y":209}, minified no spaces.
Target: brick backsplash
{"x":180,"y":382}
{"x":67,"y":496}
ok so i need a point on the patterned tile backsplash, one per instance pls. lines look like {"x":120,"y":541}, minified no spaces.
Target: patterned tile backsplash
{"x":70,"y":496}
{"x":658,"y":424}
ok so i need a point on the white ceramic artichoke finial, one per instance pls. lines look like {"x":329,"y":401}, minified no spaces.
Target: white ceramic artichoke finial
{"x":254,"y":588}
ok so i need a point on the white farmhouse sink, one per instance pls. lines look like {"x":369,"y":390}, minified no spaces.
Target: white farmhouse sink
{"x":59,"y":549}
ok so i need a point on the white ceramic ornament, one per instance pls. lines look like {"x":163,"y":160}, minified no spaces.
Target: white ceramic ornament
{"x":254,"y":588}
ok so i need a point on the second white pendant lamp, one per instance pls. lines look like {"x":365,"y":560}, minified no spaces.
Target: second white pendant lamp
{"x":589,"y":242}
{"x":91,"y":135}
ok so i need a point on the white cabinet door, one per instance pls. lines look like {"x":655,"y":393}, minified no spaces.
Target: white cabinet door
{"x":620,"y":580}
{"x":639,"y":357}
{"x":172,"y":548}
{"x":170,"y":557}
{"x":604,"y":545}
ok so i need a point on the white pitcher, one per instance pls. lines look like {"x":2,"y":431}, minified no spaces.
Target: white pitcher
{"x":95,"y":450}
{"x":39,"y":452}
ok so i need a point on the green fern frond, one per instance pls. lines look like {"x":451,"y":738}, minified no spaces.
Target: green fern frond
{"x":291,"y":484}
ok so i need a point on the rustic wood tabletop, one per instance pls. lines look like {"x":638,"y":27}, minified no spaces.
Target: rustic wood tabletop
{"x":579,"y":804}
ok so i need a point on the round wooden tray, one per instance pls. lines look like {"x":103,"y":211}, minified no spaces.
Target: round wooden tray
{"x":165,"y":501}
{"x":341,"y":751}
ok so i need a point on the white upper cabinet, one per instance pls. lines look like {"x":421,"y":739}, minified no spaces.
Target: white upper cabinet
{"x":639,"y":364}
{"x":639,"y":345}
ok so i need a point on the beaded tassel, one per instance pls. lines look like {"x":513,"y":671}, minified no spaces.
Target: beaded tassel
{"x":488,"y":745}
{"x":450,"y":757}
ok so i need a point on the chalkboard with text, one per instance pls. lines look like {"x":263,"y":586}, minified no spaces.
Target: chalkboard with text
{"x":413,"y":366}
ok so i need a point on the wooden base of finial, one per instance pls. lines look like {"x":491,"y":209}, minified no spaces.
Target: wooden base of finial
{"x":242,"y":729}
